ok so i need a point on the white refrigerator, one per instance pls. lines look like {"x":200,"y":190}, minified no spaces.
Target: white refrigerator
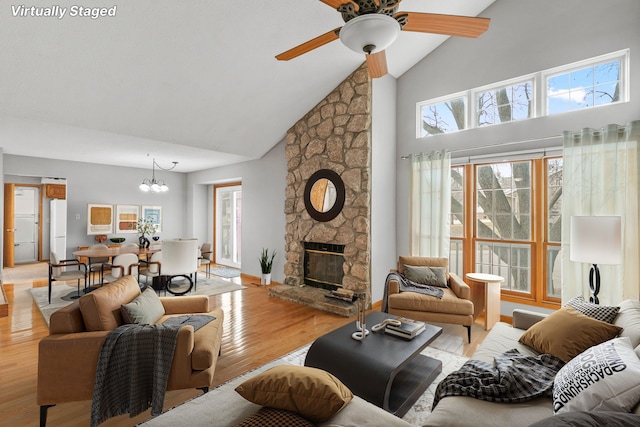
{"x":58,"y":228}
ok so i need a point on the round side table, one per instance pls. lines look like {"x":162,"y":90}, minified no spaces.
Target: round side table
{"x":486,"y":299}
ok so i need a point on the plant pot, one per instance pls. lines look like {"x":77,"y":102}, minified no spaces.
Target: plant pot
{"x":265,"y":279}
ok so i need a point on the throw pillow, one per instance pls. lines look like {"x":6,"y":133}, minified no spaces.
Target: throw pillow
{"x":567,"y":333}
{"x":313,"y":393}
{"x":629,"y":319}
{"x":434,"y":276}
{"x":145,"y":308}
{"x":270,"y":417}
{"x":601,"y":312}
{"x":605,"y":377}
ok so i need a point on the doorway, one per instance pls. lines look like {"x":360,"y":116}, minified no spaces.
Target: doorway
{"x":26,"y":222}
{"x":227,"y":223}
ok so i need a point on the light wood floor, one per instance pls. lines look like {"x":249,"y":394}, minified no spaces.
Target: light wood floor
{"x":257,"y":329}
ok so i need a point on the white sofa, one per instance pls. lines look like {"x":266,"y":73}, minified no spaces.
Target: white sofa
{"x":466,"y":411}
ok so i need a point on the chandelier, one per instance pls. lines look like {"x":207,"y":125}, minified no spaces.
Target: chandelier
{"x":154,"y":185}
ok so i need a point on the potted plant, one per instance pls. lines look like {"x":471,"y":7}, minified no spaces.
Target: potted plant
{"x":146,"y":227}
{"x":266,"y":263}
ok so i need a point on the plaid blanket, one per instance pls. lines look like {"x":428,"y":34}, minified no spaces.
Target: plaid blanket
{"x":133,"y":367}
{"x":515,"y":378}
{"x":407,"y":285}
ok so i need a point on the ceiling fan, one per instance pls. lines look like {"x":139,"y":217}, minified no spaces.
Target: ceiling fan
{"x":372,"y":25}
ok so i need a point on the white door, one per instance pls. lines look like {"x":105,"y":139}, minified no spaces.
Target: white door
{"x":26,"y":215}
{"x":228,"y":224}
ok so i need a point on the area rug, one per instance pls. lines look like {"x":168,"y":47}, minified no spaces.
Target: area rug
{"x":226,"y":272}
{"x":61,"y":294}
{"x":204,"y":410}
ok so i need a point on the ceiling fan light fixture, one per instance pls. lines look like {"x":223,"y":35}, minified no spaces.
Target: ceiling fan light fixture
{"x":369,"y":33}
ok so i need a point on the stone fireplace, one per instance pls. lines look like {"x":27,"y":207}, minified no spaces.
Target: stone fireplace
{"x":334,"y":135}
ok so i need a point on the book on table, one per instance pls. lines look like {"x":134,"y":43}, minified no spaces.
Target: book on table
{"x":408,"y":328}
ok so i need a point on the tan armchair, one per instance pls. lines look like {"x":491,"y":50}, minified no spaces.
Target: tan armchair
{"x":454,"y":307}
{"x":67,"y":358}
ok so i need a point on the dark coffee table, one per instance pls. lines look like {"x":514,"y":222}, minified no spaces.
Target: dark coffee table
{"x":383,"y":369}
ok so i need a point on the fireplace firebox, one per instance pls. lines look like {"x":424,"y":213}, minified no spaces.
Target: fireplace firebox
{"x":323,"y":265}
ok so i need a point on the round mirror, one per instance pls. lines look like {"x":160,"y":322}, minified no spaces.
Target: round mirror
{"x":324,"y":195}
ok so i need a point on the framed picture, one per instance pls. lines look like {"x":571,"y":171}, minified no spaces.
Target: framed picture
{"x":99,"y":219}
{"x":127,"y":219}
{"x":155,"y":213}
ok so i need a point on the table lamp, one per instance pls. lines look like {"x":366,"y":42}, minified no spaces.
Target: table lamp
{"x":596,"y":240}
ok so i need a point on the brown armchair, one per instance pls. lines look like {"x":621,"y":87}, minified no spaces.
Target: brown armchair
{"x":67,"y":358}
{"x":454,"y":307}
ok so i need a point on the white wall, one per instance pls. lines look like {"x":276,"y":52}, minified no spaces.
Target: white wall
{"x":263,"y":220}
{"x":93,"y":183}
{"x":524,"y":37}
{"x":383,"y":166}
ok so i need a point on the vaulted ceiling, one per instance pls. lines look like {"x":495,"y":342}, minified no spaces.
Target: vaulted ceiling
{"x":188,"y":81}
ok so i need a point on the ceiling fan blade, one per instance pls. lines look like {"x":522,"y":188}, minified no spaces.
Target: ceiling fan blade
{"x":377,"y":64}
{"x":450,"y":25}
{"x":310,"y":45}
{"x":335,"y":3}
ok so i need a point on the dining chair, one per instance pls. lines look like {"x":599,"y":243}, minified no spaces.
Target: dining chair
{"x":153,"y":267}
{"x":58,"y":272}
{"x":97,"y":265}
{"x":206,"y":257}
{"x":180,"y":259}
{"x":122,"y":265}
{"x":128,"y":245}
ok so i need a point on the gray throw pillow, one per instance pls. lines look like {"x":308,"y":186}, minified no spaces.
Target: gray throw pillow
{"x":145,"y":308}
{"x":434,"y":276}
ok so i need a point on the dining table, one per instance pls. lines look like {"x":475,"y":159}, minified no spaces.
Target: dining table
{"x":112,"y":252}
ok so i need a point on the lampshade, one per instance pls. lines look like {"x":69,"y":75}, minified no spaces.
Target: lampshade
{"x":369,"y":33}
{"x":596,"y":239}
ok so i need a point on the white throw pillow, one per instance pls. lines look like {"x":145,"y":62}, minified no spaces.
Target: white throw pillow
{"x":605,"y":377}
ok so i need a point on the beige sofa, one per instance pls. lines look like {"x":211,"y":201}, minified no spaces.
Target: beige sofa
{"x":67,"y":358}
{"x":467,"y":411}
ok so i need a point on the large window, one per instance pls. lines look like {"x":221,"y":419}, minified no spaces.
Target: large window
{"x":513,"y":211}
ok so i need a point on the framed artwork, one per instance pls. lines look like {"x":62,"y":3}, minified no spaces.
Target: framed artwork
{"x":155,"y":213}
{"x":99,"y":219}
{"x":127,"y":219}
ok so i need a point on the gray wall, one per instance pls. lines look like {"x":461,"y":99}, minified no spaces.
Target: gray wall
{"x":93,"y":183}
{"x":263,"y":221}
{"x":524,"y":37}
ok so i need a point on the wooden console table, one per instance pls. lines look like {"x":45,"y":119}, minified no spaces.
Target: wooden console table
{"x":486,"y":298}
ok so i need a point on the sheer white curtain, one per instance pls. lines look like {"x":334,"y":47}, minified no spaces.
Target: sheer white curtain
{"x":600,"y":177}
{"x":430,"y":204}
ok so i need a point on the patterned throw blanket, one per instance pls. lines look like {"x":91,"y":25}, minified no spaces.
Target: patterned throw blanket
{"x":133,"y":367}
{"x":515,"y":378}
{"x":407,"y":285}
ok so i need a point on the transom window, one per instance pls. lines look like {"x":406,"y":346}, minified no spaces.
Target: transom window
{"x":584,"y":87}
{"x":443,"y":116}
{"x":594,"y":82}
{"x":505,"y":104}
